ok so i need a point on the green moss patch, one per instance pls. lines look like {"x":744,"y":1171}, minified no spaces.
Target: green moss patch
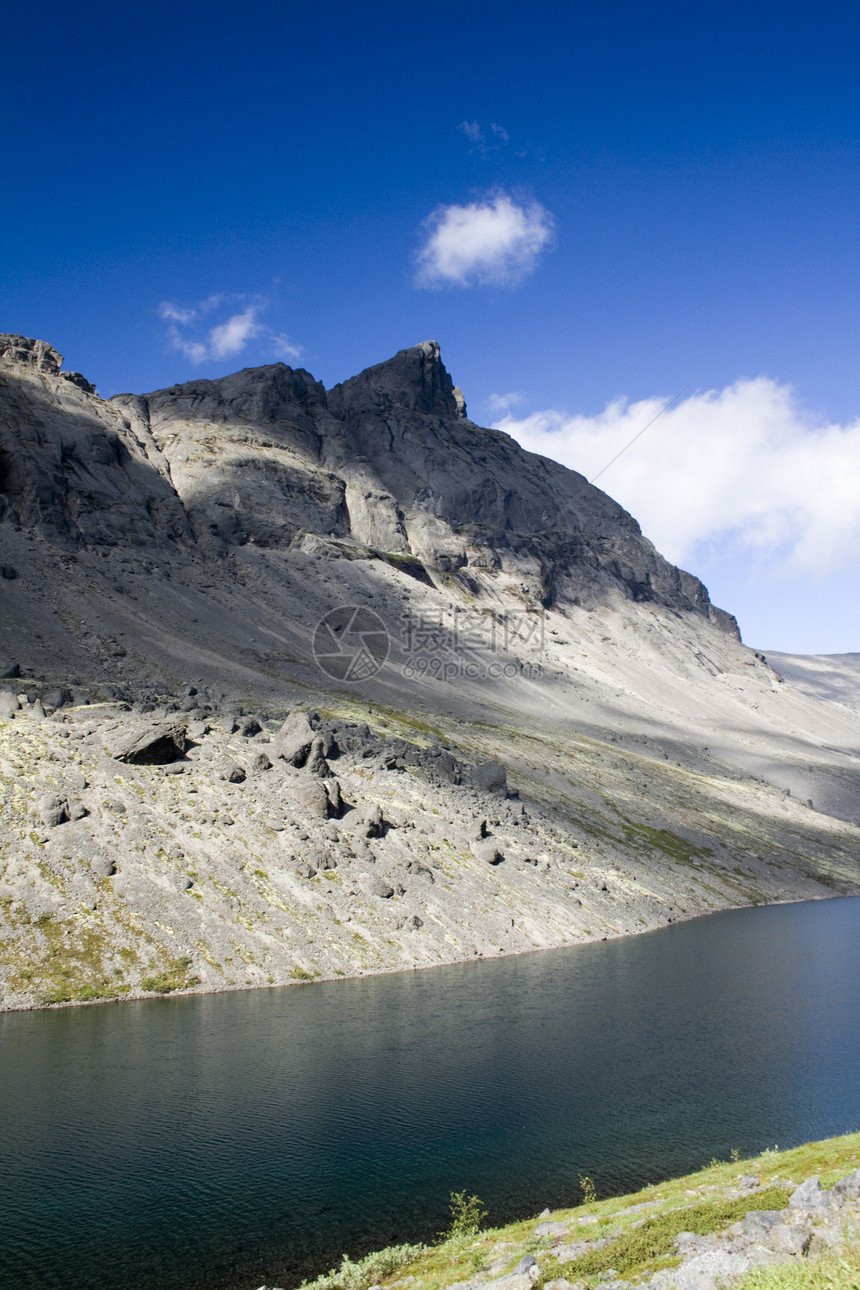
{"x":173,"y":976}
{"x":677,"y":848}
{"x":69,"y":961}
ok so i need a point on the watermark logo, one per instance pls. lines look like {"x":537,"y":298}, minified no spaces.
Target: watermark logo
{"x":350,"y":643}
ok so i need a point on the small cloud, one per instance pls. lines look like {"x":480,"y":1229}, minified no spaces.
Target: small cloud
{"x":231,"y":337}
{"x":504,"y":402}
{"x":497,"y":242}
{"x":193,"y":349}
{"x":472,"y":131}
{"x":283,"y":347}
{"x":225,"y":339}
{"x":175,"y":314}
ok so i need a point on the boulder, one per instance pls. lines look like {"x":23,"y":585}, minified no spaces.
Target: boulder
{"x":247,"y":727}
{"x":372,"y":823}
{"x":847,"y":1189}
{"x":514,"y":1281}
{"x":488,"y":851}
{"x":9,"y":668}
{"x":232,"y":772}
{"x":789,"y":1238}
{"x":316,"y":763}
{"x":310,"y":796}
{"x":149,"y":743}
{"x":758,"y":1222}
{"x":379,"y":886}
{"x":57,"y":698}
{"x":321,"y":859}
{"x":53,"y":810}
{"x":491,"y":777}
{"x":335,"y":799}
{"x":710,"y":1269}
{"x":8,"y":704}
{"x":294,"y":740}
{"x":810,"y":1195}
{"x":258,"y":763}
{"x":552,"y":1229}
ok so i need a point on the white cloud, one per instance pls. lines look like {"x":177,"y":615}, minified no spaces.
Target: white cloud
{"x":175,"y":313}
{"x":746,"y":466}
{"x":231,"y":337}
{"x":504,"y":402}
{"x":283,"y":347}
{"x":495,"y":242}
{"x":472,"y":131}
{"x":224,"y":339}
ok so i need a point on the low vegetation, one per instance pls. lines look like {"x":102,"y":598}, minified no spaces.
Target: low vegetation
{"x":368,"y":1271}
{"x":640,"y":1230}
{"x":829,"y":1272}
{"x":174,"y":976}
{"x":651,"y":1246}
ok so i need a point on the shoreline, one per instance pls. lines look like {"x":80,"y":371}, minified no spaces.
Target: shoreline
{"x":196,"y":992}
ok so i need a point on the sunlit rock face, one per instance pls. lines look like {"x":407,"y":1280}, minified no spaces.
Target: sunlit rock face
{"x":388,"y":460}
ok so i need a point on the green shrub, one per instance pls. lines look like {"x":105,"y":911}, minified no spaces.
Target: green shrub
{"x":636,"y":1250}
{"x":467,"y":1215}
{"x":367,"y":1271}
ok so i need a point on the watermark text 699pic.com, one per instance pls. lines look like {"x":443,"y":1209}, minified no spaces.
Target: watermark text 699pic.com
{"x":352,"y":643}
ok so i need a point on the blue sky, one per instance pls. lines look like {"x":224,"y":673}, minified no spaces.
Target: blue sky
{"x":588,"y":206}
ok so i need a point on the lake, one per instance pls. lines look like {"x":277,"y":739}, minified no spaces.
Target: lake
{"x":224,"y":1141}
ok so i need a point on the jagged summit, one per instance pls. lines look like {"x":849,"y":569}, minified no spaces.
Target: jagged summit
{"x":414,"y":378}
{"x":38,"y":354}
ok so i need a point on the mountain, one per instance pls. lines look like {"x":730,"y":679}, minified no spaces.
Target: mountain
{"x":510,"y":723}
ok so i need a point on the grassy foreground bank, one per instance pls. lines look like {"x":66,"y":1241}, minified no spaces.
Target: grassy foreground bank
{"x":639,"y":1227}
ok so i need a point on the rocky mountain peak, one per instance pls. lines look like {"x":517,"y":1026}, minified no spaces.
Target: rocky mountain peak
{"x":415,"y":379}
{"x":22,"y":351}
{"x":30,"y":353}
{"x":386,"y":461}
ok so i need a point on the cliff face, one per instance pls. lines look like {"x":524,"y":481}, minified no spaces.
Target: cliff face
{"x":387,"y":460}
{"x":512,"y":724}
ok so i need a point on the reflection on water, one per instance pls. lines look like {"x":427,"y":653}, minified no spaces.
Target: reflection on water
{"x":222,"y":1141}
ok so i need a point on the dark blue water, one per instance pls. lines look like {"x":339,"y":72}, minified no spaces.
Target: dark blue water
{"x":228,"y":1140}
